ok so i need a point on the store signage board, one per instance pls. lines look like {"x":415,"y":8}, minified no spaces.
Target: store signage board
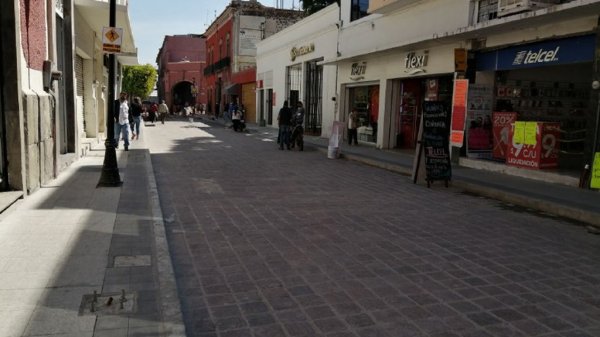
{"x":460,"y":60}
{"x":595,"y":183}
{"x":436,"y":118}
{"x":112,"y":38}
{"x":459,"y":112}
{"x":553,"y":52}
{"x":302,"y":50}
{"x":358,"y":70}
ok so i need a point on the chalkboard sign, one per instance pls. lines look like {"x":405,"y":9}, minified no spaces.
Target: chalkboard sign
{"x":435,"y":142}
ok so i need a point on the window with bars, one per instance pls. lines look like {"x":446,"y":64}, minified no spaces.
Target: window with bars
{"x":313,"y":100}
{"x":294,"y":84}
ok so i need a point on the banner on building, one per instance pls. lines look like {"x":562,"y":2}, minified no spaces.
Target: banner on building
{"x":459,"y":112}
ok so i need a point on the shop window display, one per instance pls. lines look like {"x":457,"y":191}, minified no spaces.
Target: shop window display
{"x":366,"y":100}
{"x":556,"y":98}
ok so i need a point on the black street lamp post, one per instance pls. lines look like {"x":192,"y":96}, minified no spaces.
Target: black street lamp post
{"x":110,"y":170}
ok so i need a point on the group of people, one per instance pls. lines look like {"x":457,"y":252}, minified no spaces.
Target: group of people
{"x":130,"y":118}
{"x":291,"y":126}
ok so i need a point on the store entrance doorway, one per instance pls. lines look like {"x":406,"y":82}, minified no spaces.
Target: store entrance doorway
{"x":408,"y":105}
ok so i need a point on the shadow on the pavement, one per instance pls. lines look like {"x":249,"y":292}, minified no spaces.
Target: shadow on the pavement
{"x":72,"y":233}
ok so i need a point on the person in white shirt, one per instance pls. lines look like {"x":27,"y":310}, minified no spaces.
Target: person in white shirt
{"x":122,"y":121}
{"x":163,"y":110}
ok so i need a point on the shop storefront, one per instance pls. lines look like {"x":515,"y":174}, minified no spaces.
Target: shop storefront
{"x":530,"y":104}
{"x":389,"y":91}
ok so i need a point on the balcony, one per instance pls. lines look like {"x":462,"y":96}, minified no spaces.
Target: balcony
{"x":217,"y":66}
{"x":386,"y":6}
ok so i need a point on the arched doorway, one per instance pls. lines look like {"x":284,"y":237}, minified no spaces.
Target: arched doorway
{"x":181,"y":95}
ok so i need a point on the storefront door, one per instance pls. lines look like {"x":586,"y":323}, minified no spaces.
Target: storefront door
{"x":410,"y":114}
{"x":270,"y":106}
{"x":413,"y":92}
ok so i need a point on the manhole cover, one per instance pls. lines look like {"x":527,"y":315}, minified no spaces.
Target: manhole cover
{"x":108,"y":304}
{"x":133,"y":261}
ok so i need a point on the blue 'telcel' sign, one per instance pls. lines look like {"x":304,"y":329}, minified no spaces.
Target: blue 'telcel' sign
{"x":554,"y":52}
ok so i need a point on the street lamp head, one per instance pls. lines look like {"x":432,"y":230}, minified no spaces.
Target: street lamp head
{"x":596,"y":85}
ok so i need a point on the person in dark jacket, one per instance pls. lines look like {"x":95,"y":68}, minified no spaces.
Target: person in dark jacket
{"x":285,"y":120}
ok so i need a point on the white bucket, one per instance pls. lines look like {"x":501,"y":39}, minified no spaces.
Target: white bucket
{"x":333,"y":152}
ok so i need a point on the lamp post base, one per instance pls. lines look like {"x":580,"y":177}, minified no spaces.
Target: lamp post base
{"x":110,"y":170}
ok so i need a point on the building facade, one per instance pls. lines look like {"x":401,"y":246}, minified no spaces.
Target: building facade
{"x":53,"y":82}
{"x":288,"y":69}
{"x":231,"y":52}
{"x":181,"y":61}
{"x":524,"y":68}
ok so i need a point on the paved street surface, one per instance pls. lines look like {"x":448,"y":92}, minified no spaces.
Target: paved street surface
{"x":285,"y":243}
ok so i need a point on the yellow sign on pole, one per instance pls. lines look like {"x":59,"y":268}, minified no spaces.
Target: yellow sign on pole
{"x":595,"y":183}
{"x":112,"y":38}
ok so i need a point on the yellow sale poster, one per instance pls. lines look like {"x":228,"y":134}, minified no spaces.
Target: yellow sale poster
{"x":595,"y":183}
{"x":530,"y":133}
{"x":519,"y":134}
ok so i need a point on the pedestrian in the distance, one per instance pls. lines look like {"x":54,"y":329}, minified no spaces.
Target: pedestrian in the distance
{"x":352,"y":127}
{"x":122,"y":121}
{"x":236,"y":119}
{"x":136,"y":114}
{"x":163,"y":110}
{"x":284,"y":118}
{"x":153,"y":112}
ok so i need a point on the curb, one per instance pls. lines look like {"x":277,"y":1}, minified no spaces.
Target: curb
{"x":169,"y":299}
{"x":585,"y":217}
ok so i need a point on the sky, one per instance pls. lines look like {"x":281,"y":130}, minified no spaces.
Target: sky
{"x":151,"y":21}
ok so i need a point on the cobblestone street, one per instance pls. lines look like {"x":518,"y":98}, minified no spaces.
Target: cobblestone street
{"x":285,"y":243}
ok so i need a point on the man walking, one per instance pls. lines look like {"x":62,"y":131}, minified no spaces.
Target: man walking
{"x":122,"y":121}
{"x":284,"y":118}
{"x":163,"y":110}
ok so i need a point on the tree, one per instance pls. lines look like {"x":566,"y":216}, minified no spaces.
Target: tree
{"x":313,"y":6}
{"x":139,"y":80}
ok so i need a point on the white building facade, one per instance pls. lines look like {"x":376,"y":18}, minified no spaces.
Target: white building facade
{"x":288,"y":69}
{"x":529,"y":62}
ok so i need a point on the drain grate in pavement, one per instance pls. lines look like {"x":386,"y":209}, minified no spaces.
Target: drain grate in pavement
{"x":132,"y":261}
{"x":108,"y":304}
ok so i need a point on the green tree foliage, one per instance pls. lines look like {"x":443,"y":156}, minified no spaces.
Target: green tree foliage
{"x":139,"y":80}
{"x":313,"y":6}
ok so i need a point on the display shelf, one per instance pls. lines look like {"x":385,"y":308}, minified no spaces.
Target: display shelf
{"x":548,"y":101}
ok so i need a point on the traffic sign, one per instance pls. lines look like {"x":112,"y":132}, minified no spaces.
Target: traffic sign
{"x":112,"y":38}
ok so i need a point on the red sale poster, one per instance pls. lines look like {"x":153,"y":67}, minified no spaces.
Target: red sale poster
{"x":501,"y":122}
{"x":543,"y":153}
